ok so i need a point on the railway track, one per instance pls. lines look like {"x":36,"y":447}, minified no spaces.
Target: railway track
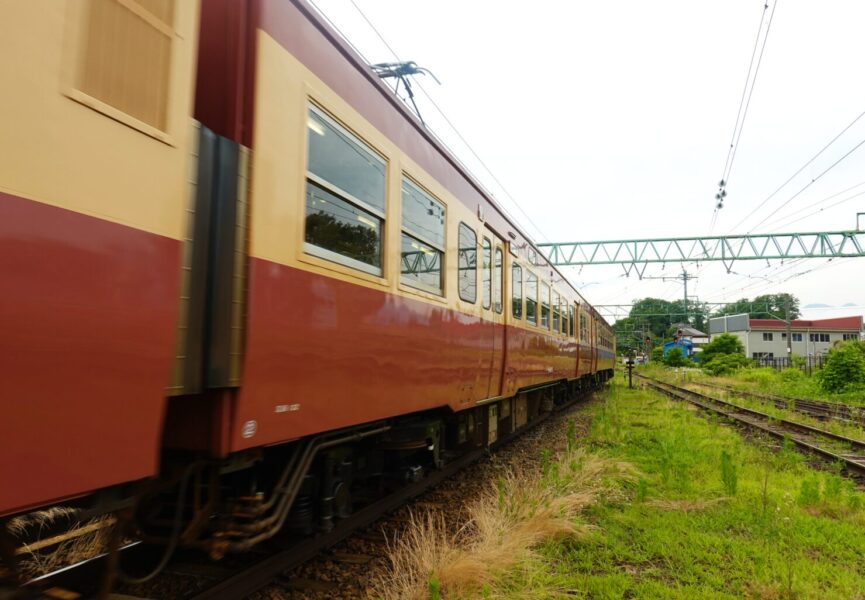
{"x":815,"y":408}
{"x":82,"y":581}
{"x":829,"y":446}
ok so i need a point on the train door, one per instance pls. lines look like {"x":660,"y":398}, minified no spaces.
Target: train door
{"x":575,"y":333}
{"x":492,"y":305}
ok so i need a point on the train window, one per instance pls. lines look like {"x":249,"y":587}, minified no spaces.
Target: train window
{"x":487,"y":273}
{"x":531,"y":298}
{"x":125,"y":62}
{"x":584,"y":328}
{"x":467,"y":264}
{"x":344,"y":162}
{"x":340,"y":231}
{"x":344,"y":197}
{"x":571,"y":321}
{"x":498,"y":281}
{"x":423,"y":239}
{"x":517,"y":291}
{"x":556,"y":314}
{"x":545,"y":305}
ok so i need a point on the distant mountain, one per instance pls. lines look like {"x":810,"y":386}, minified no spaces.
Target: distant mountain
{"x":849,"y":305}
{"x":819,"y":306}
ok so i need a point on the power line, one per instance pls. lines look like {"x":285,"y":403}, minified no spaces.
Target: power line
{"x":452,"y":126}
{"x":753,"y":85}
{"x":799,"y":170}
{"x":744,"y":92}
{"x":742,"y":112}
{"x":818,"y":211}
{"x":810,"y":183}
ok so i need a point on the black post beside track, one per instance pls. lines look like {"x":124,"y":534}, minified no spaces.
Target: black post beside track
{"x":804,"y":436}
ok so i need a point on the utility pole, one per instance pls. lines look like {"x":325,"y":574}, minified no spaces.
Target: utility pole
{"x":685,"y":277}
{"x":789,"y":332}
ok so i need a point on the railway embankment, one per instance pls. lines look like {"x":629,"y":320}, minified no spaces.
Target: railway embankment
{"x":673,"y":503}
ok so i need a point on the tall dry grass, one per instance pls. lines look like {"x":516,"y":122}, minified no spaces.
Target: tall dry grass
{"x":502,"y":528}
{"x":82,"y":540}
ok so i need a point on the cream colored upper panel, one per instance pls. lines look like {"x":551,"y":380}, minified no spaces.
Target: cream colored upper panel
{"x":56,"y":150}
{"x":284,"y":90}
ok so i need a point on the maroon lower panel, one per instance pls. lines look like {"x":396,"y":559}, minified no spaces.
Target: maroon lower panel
{"x":87,"y":320}
{"x":323,"y":353}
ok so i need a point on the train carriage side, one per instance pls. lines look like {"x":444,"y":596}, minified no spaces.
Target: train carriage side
{"x":96,"y":138}
{"x":309,"y":257}
{"x":380,"y":276}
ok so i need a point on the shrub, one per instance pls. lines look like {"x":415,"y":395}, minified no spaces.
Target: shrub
{"x":657,"y":354}
{"x":726,"y":343}
{"x":844,"y":368}
{"x":675,"y":358}
{"x":724,"y":364}
{"x":791,"y":375}
{"x":797,"y":362}
{"x":764,"y":378}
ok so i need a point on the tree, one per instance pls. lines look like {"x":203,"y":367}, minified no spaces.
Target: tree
{"x":844,"y":368}
{"x":726,"y":343}
{"x":628,"y":338}
{"x":723,"y":355}
{"x":767,"y":306}
{"x":657,"y":355}
{"x":693,"y":313}
{"x":722,"y":364}
{"x":675,"y":358}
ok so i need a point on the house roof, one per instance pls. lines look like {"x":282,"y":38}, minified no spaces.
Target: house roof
{"x":690,"y":331}
{"x":846,"y":323}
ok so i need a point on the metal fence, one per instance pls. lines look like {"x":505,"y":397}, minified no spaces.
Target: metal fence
{"x":809,"y":364}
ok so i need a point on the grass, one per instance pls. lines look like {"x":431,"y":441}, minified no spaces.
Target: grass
{"x":503,"y":529}
{"x":791,"y":383}
{"x":677,"y":505}
{"x":84,"y":540}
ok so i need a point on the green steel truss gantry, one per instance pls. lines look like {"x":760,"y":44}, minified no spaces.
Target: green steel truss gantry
{"x":725,"y":248}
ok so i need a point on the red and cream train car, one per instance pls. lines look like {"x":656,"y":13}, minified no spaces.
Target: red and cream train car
{"x":224,"y":240}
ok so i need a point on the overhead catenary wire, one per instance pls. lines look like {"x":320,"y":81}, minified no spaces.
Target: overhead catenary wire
{"x":785,"y":222}
{"x":799,"y":170}
{"x":810,"y":183}
{"x":751,"y":92}
{"x":453,"y":127}
{"x":739,"y":116}
{"x":742,"y":111}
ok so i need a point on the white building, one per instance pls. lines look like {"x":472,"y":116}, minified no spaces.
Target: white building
{"x":767,"y":338}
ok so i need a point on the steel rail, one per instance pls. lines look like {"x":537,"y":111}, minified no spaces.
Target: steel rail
{"x":818,"y":408}
{"x":853,"y":463}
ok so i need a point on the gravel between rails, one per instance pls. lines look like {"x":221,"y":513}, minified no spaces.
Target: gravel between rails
{"x":349,"y":569}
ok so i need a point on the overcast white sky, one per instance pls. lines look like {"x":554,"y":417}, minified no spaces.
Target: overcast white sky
{"x":612,"y":120}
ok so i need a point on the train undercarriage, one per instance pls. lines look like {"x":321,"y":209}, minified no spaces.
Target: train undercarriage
{"x":295,"y":490}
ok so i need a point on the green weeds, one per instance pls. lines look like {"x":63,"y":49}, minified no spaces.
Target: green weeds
{"x":710,"y":515}
{"x":729,"y":476}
